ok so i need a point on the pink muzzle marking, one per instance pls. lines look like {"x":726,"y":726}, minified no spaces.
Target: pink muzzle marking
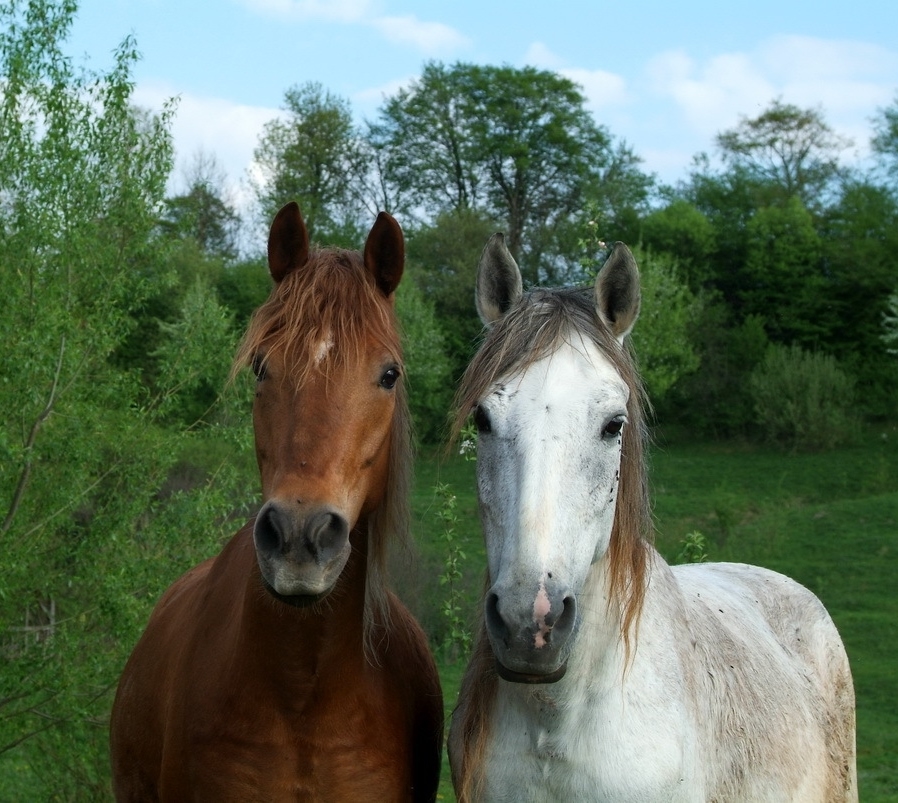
{"x":541,"y":608}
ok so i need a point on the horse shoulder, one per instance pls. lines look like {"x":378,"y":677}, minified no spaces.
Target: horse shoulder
{"x":412,"y":671}
{"x":769,"y":678}
{"x":146,"y":693}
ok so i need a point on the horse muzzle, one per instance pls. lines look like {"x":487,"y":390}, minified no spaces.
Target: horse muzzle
{"x":301,"y":549}
{"x":531,"y":635}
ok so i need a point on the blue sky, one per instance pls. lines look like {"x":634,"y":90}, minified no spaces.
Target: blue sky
{"x":663,"y":76}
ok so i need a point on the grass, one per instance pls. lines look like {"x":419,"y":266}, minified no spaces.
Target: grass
{"x":830,"y":520}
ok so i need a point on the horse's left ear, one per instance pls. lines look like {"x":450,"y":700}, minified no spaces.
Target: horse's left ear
{"x":385,"y":253}
{"x":288,"y":242}
{"x":617,"y":291}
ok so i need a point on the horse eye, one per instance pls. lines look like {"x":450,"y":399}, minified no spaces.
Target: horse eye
{"x":390,"y":378}
{"x":482,"y":420}
{"x":613,"y":427}
{"x":258,"y":366}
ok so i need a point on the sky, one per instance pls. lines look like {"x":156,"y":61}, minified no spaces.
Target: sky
{"x":665,"y":77}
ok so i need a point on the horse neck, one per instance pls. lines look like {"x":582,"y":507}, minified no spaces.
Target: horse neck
{"x":309,"y":640}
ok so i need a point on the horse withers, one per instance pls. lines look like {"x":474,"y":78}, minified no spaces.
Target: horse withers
{"x":601,"y":673}
{"x":283,"y":668}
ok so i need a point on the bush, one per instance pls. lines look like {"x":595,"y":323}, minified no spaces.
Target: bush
{"x":803,"y":400}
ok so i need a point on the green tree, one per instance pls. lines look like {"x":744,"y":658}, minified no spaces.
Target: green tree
{"x":684,"y":232}
{"x":88,"y":514}
{"x":442,"y":262}
{"x":515,"y":144}
{"x":791,"y":150}
{"x":782,"y":279}
{"x":203,"y":213}
{"x":312,"y":155}
{"x":885,"y":137}
{"x":661,"y":338}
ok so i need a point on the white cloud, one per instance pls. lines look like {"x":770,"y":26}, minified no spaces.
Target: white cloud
{"x":432,"y":38}
{"x":229,"y":131}
{"x":602,"y":89}
{"x":540,"y":56}
{"x":369,"y":100}
{"x":846,"y":80}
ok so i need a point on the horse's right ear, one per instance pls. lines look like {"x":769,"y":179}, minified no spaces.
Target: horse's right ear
{"x":499,"y":284}
{"x":617,"y":291}
{"x":288,"y":242}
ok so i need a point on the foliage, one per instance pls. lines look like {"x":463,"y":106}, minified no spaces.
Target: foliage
{"x":788,"y":148}
{"x":311,"y":156}
{"x":458,"y":638}
{"x":426,"y":364}
{"x":693,"y":548}
{"x":202,"y":212}
{"x":681,"y":230}
{"x":803,"y":400}
{"x":884,"y":142}
{"x":517,"y":144}
{"x":782,"y":283}
{"x":442,"y":262}
{"x":715,"y":399}
{"x":661,"y":335}
{"x":890,"y":325}
{"x":90,"y":504}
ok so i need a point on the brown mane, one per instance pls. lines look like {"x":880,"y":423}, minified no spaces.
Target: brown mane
{"x":335,"y":298}
{"x":532,"y":329}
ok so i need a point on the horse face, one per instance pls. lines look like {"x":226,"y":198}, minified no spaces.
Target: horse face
{"x":323,"y":417}
{"x":548,"y":460}
{"x":323,"y":454}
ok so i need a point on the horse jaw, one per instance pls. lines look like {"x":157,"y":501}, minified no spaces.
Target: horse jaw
{"x":547,"y":480}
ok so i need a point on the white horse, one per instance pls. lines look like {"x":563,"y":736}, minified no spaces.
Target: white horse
{"x":600,"y":672}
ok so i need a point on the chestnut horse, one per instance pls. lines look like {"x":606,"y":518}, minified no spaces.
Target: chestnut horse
{"x":283,"y":669}
{"x":600,"y":672}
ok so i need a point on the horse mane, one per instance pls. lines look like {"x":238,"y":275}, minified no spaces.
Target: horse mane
{"x":333,"y":298}
{"x":535,"y":327}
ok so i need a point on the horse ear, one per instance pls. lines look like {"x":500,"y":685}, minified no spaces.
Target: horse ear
{"x":385,"y":253}
{"x":499,"y":283}
{"x":617,"y":291}
{"x":288,"y":242}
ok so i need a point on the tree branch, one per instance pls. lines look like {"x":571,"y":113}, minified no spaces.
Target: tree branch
{"x":29,"y":443}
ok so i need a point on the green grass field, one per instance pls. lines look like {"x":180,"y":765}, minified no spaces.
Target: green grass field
{"x":829,"y":520}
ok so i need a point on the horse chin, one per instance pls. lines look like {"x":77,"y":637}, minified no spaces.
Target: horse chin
{"x":296,"y":600}
{"x":530,"y":677}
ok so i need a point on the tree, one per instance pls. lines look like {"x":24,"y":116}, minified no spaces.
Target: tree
{"x":312,"y":156}
{"x":442,"y":262}
{"x":202,"y":212}
{"x":885,"y":137}
{"x":87,"y":514}
{"x":783,"y":283}
{"x":517,"y":145}
{"x":681,"y":230}
{"x":785,"y":148}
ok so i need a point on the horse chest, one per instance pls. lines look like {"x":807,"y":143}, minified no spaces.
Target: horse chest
{"x":320,"y":748}
{"x":586,"y":749}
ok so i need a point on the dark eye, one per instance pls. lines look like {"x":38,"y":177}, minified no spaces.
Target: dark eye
{"x":390,"y":378}
{"x":613,"y":427}
{"x":482,"y":420}
{"x":258,"y":366}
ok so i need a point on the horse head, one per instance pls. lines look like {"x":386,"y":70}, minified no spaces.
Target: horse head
{"x":551,"y":407}
{"x":327,"y":361}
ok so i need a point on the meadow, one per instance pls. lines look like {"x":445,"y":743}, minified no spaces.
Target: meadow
{"x":828,"y":519}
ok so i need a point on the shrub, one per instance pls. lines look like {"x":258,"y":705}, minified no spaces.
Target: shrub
{"x":802,"y":400}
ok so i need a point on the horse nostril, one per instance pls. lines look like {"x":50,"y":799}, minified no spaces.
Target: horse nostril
{"x":268,"y":531}
{"x":566,"y":620}
{"x":325,"y":534}
{"x":494,"y":621}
